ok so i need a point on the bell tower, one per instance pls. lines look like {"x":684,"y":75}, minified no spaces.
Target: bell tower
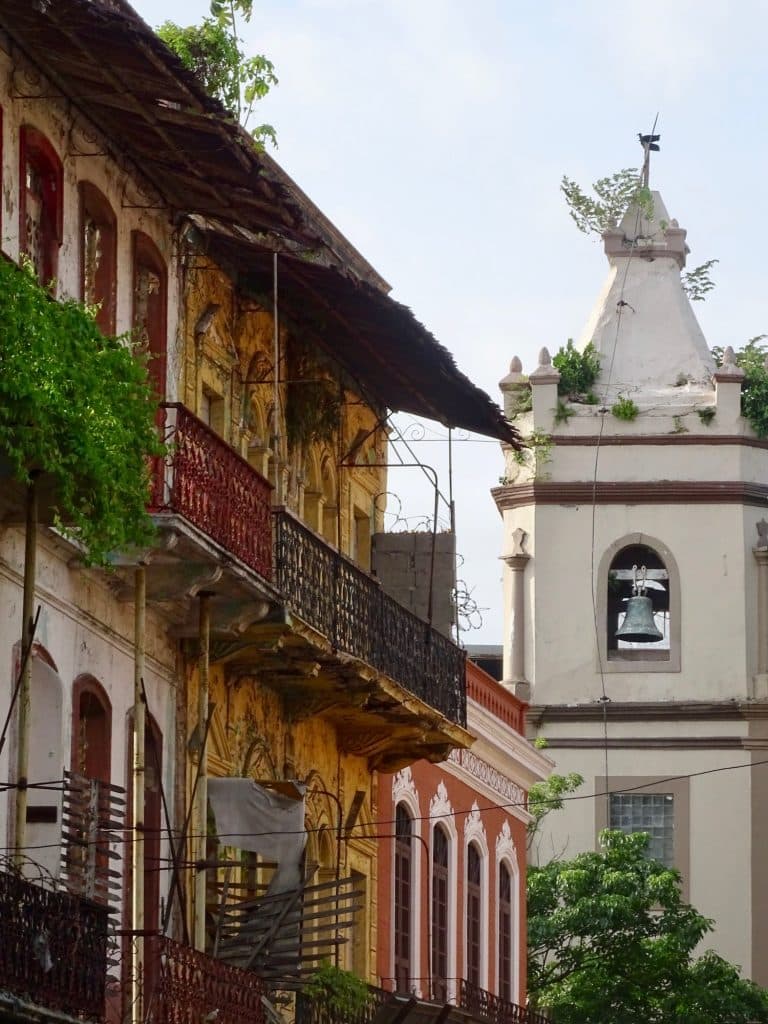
{"x":636,"y":588}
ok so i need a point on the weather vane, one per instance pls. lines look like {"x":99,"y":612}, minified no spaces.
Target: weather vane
{"x":649,"y":144}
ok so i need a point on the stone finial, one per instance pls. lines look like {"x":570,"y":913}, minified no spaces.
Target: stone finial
{"x":515,"y":375}
{"x":518,"y":541}
{"x":762,"y":534}
{"x":545,"y":372}
{"x":729,"y":369}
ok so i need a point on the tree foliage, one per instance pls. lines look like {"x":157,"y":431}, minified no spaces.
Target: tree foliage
{"x":76,"y":406}
{"x":578,"y":371}
{"x":611,"y":941}
{"x":213,"y":51}
{"x":612,"y":196}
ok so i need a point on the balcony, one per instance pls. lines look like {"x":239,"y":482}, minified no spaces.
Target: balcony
{"x":206,"y":482}
{"x":192,"y":987}
{"x":493,"y":1009}
{"x":350,"y":609}
{"x":53,"y":952}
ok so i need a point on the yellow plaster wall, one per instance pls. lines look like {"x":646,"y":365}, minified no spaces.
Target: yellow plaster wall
{"x":228,"y":353}
{"x":251,"y":735}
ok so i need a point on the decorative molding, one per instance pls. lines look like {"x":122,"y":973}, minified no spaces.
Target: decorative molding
{"x":650,"y":742}
{"x":636,"y":711}
{"x":442,"y":815}
{"x":492,"y":777}
{"x":474,"y":829}
{"x":404,"y":788}
{"x":653,"y":492}
{"x":622,"y":440}
{"x":505,"y":846}
{"x":440,"y":806}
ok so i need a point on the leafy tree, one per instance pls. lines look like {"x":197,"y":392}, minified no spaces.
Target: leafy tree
{"x":754,"y":389}
{"x":548,"y":795}
{"x":213,"y":51}
{"x":594,"y":214}
{"x":611,"y":941}
{"x":77,"y":407}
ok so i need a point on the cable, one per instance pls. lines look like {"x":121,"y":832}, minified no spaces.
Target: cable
{"x":507,"y":805}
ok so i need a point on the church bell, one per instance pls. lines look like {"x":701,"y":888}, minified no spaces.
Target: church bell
{"x":638,"y":625}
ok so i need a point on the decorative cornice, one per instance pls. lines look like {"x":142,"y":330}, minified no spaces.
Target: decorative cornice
{"x":637,"y":711}
{"x":508,"y":790}
{"x":624,"y":440}
{"x":403,"y":787}
{"x":655,"y":492}
{"x":648,"y":742}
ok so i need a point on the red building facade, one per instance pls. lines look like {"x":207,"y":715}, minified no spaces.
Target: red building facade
{"x":452,"y":925}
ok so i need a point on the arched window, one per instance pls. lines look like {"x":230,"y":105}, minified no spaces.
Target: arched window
{"x":506,"y":931}
{"x":638,"y":566}
{"x":474,"y":914}
{"x":440,"y":904}
{"x":91,"y":730}
{"x":40,"y":202}
{"x":403,"y":897}
{"x":150,"y":287}
{"x":98,"y":255}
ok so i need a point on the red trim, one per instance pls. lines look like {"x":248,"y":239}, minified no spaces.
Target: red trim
{"x":99,"y":753}
{"x":155,"y":326}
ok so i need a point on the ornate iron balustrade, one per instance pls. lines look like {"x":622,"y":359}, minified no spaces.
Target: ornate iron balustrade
{"x":192,"y":987}
{"x":208,"y":483}
{"x":493,"y":1008}
{"x":350,"y":608}
{"x":53,"y":951}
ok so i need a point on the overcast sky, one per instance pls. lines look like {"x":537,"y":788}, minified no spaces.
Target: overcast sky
{"x":434,"y":134}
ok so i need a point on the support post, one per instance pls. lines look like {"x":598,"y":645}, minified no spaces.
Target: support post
{"x":201,"y":792}
{"x":28,"y":603}
{"x":760,"y":685}
{"x":137,"y":781}
{"x":514,"y":649}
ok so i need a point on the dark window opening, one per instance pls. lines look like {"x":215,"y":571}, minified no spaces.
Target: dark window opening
{"x":403,"y":897}
{"x":474,"y":912}
{"x":440,"y":914}
{"x":40,"y":203}
{"x":150,"y":307}
{"x":98,"y":255}
{"x":505,"y":933}
{"x":627,"y":565}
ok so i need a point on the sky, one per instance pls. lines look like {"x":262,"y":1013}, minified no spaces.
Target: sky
{"x":435,"y":133}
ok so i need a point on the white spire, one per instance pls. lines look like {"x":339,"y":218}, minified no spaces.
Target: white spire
{"x":643,"y":325}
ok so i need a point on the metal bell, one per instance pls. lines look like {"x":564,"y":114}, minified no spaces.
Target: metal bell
{"x":638,"y":625}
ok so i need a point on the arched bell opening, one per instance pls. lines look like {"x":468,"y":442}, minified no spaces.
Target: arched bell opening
{"x":638,"y":602}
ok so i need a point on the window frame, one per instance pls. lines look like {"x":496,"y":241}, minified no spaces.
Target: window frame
{"x":403,"y":855}
{"x":657,"y":784}
{"x":95,"y":204}
{"x":35,"y":147}
{"x":474,"y":891}
{"x":440,"y":898}
{"x":146,"y":253}
{"x":638,"y":664}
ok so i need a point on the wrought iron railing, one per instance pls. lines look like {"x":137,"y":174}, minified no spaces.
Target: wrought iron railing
{"x":350,"y":608}
{"x":493,"y":1008}
{"x":191,"y":987}
{"x":203,"y":479}
{"x":53,"y":948}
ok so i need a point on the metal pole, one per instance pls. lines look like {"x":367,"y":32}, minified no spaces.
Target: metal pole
{"x":276,"y":454}
{"x":137,"y":780}
{"x":28,"y":602}
{"x":201,"y":793}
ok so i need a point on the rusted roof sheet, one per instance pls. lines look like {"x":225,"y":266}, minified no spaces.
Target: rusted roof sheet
{"x":194,"y":157}
{"x":387,"y":352}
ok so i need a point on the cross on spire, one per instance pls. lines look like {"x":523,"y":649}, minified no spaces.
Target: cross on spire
{"x":650,"y":145}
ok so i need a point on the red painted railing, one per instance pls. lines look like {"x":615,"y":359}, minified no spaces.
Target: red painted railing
{"x":192,"y":987}
{"x":492,"y":696}
{"x":217,"y":491}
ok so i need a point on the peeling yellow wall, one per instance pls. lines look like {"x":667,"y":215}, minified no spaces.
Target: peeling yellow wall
{"x":228,"y":381}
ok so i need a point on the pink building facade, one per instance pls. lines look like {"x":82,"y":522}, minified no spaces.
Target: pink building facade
{"x":452,"y":923}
